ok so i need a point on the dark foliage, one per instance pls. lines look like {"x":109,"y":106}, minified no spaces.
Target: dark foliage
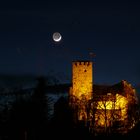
{"x":39,"y":111}
{"x":28,"y":119}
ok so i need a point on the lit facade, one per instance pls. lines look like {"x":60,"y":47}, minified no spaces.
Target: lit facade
{"x":99,"y":106}
{"x":82,"y":79}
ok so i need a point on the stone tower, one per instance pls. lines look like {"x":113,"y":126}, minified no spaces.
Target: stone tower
{"x":82,"y":79}
{"x":81,"y":90}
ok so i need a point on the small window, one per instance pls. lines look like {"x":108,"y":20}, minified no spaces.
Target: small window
{"x":108,"y":93}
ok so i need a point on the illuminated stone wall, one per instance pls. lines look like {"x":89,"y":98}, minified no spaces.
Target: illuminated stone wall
{"x":103,"y":109}
{"x":82,"y":79}
{"x":108,"y":110}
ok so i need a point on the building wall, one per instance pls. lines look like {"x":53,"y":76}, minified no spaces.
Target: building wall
{"x":82,"y":79}
{"x":108,"y":111}
{"x":103,"y":110}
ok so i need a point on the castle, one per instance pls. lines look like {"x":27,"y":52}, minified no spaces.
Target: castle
{"x":101,"y":108}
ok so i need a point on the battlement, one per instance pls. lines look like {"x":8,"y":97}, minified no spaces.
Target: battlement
{"x":78,"y":63}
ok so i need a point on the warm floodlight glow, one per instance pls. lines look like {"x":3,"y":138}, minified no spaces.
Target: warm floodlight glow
{"x":102,"y":109}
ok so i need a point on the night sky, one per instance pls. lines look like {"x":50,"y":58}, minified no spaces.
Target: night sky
{"x":111,"y":30}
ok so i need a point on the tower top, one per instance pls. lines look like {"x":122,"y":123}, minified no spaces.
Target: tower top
{"x":87,"y":63}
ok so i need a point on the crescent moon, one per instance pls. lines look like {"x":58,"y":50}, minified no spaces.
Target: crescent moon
{"x":57,"y":37}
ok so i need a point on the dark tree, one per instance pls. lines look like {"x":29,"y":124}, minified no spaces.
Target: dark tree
{"x":39,"y":110}
{"x":18,"y":122}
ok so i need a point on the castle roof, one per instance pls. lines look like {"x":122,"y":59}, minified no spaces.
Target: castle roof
{"x":109,"y":89}
{"x":119,"y":88}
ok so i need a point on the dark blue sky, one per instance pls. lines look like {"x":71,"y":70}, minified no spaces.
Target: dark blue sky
{"x":109,"y":29}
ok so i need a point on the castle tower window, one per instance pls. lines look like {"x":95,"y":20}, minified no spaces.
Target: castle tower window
{"x":108,"y":93}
